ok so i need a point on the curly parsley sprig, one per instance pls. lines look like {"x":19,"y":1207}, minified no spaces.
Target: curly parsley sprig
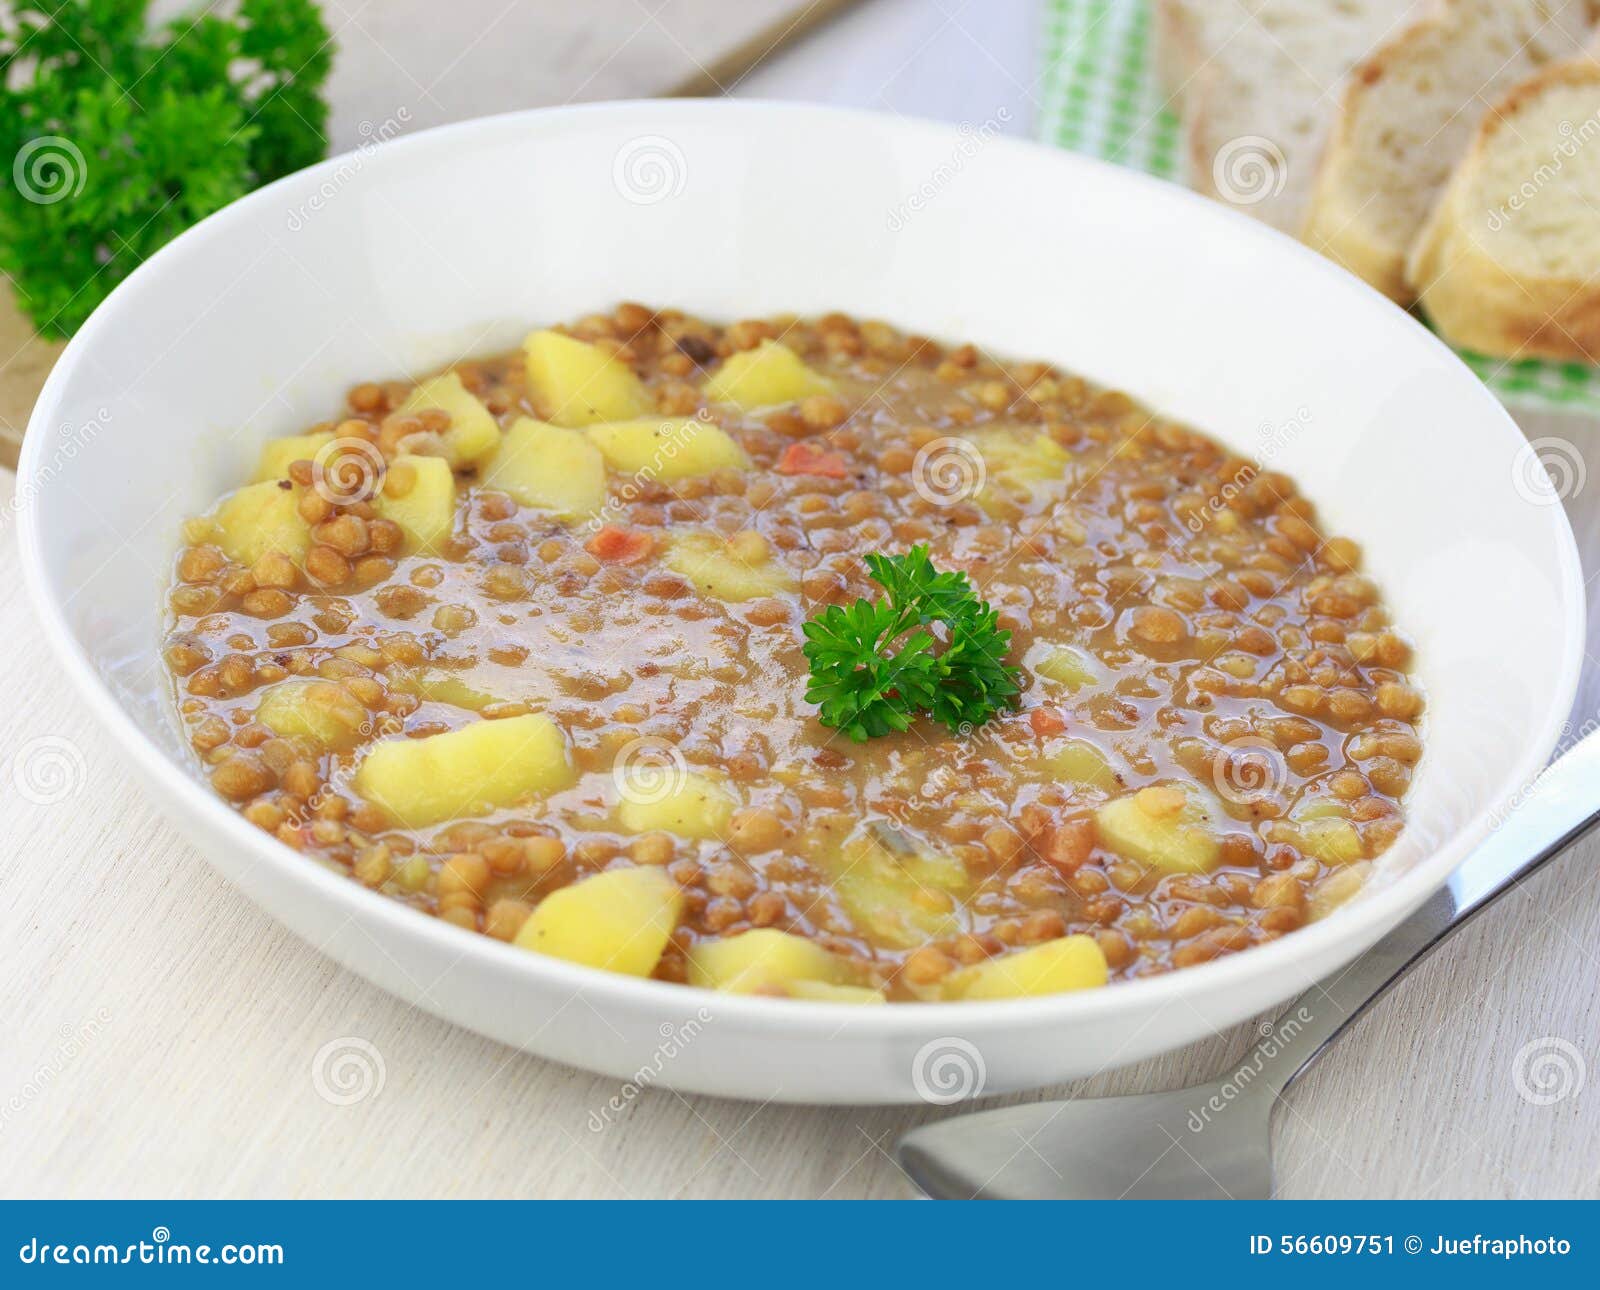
{"x":117,"y":135}
{"x":876,"y":666}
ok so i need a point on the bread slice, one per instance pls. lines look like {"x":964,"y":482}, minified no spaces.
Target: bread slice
{"x":1509,"y":262}
{"x":1180,"y":44}
{"x":1261,"y":100}
{"x":1409,"y":114}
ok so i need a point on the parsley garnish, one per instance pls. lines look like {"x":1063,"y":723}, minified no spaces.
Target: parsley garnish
{"x":115,"y":137}
{"x":875,"y":666}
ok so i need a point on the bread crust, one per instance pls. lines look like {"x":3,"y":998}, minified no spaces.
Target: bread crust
{"x":1333,"y":216}
{"x":1179,"y":51}
{"x":1474,"y":299}
{"x":1275,"y":151}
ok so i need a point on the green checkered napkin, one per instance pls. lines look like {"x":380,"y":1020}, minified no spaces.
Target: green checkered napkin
{"x":1100,"y":97}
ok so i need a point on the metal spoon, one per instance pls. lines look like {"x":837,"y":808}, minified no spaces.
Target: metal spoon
{"x":1213,"y":1140}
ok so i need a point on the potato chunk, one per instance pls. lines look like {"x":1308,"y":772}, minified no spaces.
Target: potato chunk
{"x":1021,"y":455}
{"x":1321,"y":829}
{"x":551,"y":468}
{"x":898,"y":894}
{"x":1321,"y":808}
{"x":668,"y":448}
{"x":692,"y":807}
{"x":1168,"y":827}
{"x":718,"y":570}
{"x":1337,"y":888}
{"x":619,"y":920}
{"x":278,"y":454}
{"x":472,"y":771}
{"x":442,"y":687}
{"x":1066,"y":963}
{"x":259,"y":518}
{"x":473,"y":434}
{"x":1328,"y":839}
{"x":1077,"y":761}
{"x":1066,"y":666}
{"x":763,"y":961}
{"x":574,"y":383}
{"x":1020,"y":464}
{"x":765,"y":376}
{"x":426,"y":510}
{"x":323,"y":712}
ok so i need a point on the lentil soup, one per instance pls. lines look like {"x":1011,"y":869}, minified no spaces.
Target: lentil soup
{"x":522,"y":645}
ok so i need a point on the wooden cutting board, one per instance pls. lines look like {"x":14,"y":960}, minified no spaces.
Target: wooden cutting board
{"x":405,"y":65}
{"x":27,"y":361}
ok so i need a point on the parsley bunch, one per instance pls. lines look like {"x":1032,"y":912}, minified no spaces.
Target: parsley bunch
{"x":116,"y":137}
{"x":874,"y":667}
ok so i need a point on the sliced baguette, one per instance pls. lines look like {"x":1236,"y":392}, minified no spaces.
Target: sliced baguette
{"x":1180,"y":45}
{"x":1260,"y":103}
{"x":1509,"y":262}
{"x":1409,"y":113}
{"x":1186,"y":34}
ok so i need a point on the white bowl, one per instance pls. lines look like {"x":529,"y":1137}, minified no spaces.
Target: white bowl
{"x":456,"y":240}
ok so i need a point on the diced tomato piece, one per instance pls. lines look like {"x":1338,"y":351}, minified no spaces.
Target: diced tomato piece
{"x":1070,"y":844}
{"x":1047,"y":721}
{"x":806,"y":459}
{"x":618,"y":545}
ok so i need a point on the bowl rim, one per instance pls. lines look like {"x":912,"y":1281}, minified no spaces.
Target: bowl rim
{"x":1378,"y":908}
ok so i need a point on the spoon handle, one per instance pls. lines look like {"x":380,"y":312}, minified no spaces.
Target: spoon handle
{"x":1555,"y":811}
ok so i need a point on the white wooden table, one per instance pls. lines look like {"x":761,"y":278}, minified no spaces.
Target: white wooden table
{"x":158,"y":1035}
